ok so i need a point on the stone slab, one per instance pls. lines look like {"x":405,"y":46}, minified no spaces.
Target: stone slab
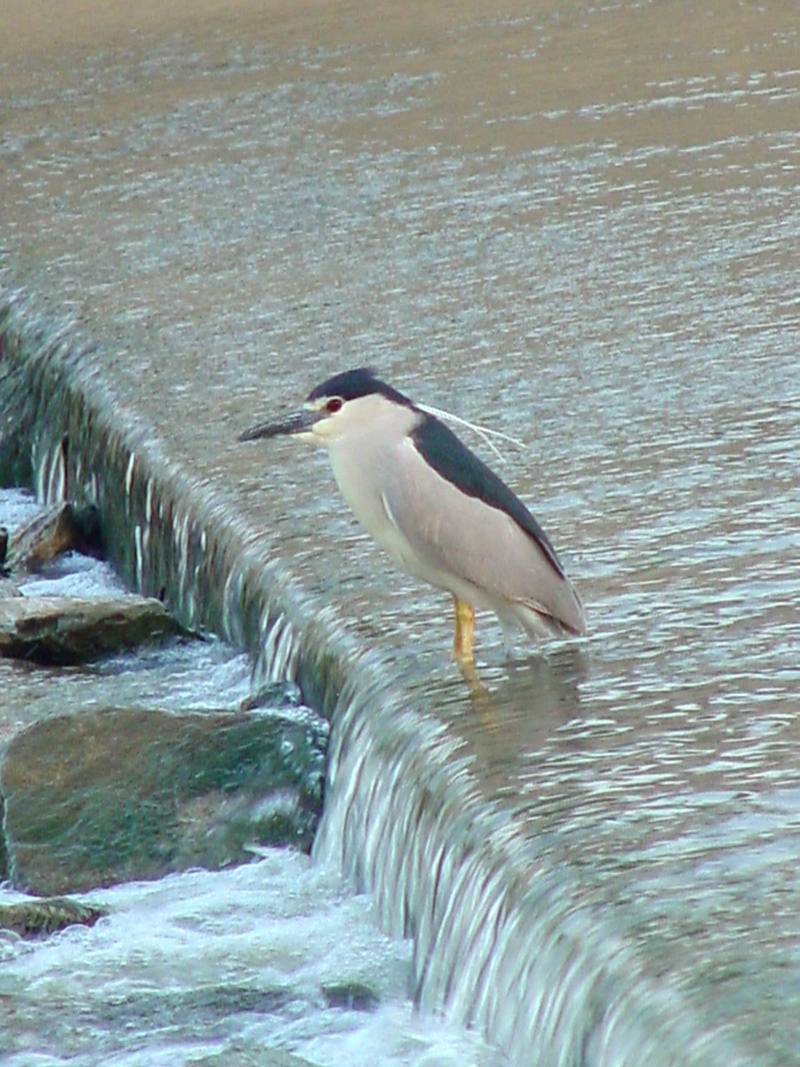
{"x":113,"y":795}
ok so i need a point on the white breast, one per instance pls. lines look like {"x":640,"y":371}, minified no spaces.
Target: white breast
{"x":364,"y":464}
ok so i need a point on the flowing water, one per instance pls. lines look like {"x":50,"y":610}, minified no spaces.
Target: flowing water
{"x":578,"y":224}
{"x":201,"y":966}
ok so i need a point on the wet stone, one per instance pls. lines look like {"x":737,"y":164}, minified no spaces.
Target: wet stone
{"x":240,"y":1054}
{"x":271,"y":695}
{"x":166,"y":1008}
{"x":117,"y":794}
{"x":56,"y":530}
{"x":37,"y":918}
{"x":67,"y":630}
{"x":352,"y":996}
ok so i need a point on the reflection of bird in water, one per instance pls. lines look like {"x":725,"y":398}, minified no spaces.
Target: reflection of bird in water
{"x":435,"y":507}
{"x":517,"y":710}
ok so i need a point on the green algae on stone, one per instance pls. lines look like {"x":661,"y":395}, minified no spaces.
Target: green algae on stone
{"x":112,"y":795}
{"x":350,"y":996}
{"x":37,"y":918}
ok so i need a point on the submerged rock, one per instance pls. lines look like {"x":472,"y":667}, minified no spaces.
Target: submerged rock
{"x":351,"y":996}
{"x":247,"y":1053}
{"x":64,"y":630}
{"x":112,"y":795}
{"x":58,"y":529}
{"x":37,"y":918}
{"x":272,"y":695}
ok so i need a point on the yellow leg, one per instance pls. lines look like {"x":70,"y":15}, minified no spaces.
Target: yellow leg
{"x":463,"y":649}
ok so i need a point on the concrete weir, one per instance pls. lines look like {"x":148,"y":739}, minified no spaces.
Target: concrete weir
{"x":508,"y":937}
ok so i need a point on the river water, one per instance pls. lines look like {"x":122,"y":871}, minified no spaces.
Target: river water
{"x":203,"y":966}
{"x":577,"y":224}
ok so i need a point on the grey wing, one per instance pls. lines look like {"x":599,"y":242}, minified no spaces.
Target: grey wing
{"x":458,"y":534}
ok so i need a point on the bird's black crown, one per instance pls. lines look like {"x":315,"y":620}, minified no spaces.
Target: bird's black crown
{"x":351,"y":384}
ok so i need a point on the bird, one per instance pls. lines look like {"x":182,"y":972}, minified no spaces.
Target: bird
{"x":435,"y":507}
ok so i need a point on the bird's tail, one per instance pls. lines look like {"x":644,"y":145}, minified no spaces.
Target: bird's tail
{"x":566,"y":616}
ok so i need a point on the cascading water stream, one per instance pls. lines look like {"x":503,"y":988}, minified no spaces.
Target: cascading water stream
{"x":505,"y":939}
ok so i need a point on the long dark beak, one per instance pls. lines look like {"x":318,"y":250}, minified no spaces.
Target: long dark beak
{"x":298,"y":422}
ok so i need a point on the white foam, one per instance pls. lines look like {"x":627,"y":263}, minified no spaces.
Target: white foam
{"x":216,"y":961}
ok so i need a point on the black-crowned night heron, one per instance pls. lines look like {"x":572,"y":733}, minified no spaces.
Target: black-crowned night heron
{"x":435,"y":507}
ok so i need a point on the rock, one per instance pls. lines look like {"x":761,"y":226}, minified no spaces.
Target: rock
{"x":36,"y":918}
{"x":272,"y":695}
{"x":57,"y":529}
{"x":212,"y":1012}
{"x":3,"y":550}
{"x":244,"y":1053}
{"x":63,"y":630}
{"x":352,"y":996}
{"x":8,"y":588}
{"x":112,"y":795}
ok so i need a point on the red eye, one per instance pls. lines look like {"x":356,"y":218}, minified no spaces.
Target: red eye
{"x":334,"y":405}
